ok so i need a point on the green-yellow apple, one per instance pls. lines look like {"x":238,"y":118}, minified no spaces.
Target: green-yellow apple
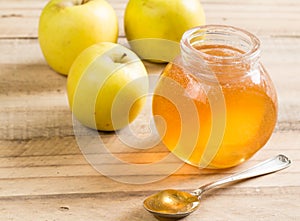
{"x":107,"y":86}
{"x":146,"y":21}
{"x":66,"y":27}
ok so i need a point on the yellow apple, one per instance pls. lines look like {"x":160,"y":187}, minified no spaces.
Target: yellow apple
{"x":107,"y":86}
{"x":66,"y":27}
{"x":148,"y":20}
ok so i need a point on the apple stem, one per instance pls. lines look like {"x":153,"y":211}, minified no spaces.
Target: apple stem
{"x":80,"y":2}
{"x":123,"y":56}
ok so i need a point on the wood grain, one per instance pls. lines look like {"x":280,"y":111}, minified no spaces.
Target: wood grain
{"x":265,"y":18}
{"x":95,"y":206}
{"x":45,"y":176}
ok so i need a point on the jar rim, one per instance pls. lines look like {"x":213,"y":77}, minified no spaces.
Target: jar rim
{"x":198,"y":31}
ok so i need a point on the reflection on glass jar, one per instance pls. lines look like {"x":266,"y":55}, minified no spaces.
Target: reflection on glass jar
{"x":219,"y":71}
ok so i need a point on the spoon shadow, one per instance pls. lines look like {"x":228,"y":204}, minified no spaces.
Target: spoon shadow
{"x":138,"y":214}
{"x":167,"y":219}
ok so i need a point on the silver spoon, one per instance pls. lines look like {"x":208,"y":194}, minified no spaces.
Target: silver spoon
{"x":175,"y":204}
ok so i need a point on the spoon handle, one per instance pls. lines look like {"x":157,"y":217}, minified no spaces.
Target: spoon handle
{"x":269,"y":166}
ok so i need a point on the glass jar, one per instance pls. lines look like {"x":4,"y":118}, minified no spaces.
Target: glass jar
{"x":217,"y":105}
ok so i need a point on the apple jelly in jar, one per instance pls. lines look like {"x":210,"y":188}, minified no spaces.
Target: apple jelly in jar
{"x":215,"y":105}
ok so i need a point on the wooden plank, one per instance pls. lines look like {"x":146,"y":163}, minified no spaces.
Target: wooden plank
{"x":53,"y":158}
{"x":267,"y":14}
{"x":20,"y":18}
{"x":87,"y":171}
{"x":8,"y":164}
{"x":100,"y":184}
{"x":26,"y":117}
{"x":214,"y":206}
{"x":64,"y":146}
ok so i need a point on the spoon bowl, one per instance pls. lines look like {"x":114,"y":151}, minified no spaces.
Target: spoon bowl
{"x":172,"y":203}
{"x":176,"y":204}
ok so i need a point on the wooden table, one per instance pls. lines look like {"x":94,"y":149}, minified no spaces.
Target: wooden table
{"x":43,"y":174}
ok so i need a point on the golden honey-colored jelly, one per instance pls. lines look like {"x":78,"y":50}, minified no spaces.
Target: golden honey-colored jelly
{"x":216,"y":104}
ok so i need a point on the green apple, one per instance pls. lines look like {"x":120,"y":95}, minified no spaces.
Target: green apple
{"x":145,"y":21}
{"x":66,"y":27}
{"x":107,"y":86}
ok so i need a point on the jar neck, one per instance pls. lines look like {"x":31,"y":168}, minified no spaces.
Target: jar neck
{"x":219,"y":51}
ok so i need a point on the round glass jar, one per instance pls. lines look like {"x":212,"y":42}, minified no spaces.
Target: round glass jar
{"x":233,"y":99}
